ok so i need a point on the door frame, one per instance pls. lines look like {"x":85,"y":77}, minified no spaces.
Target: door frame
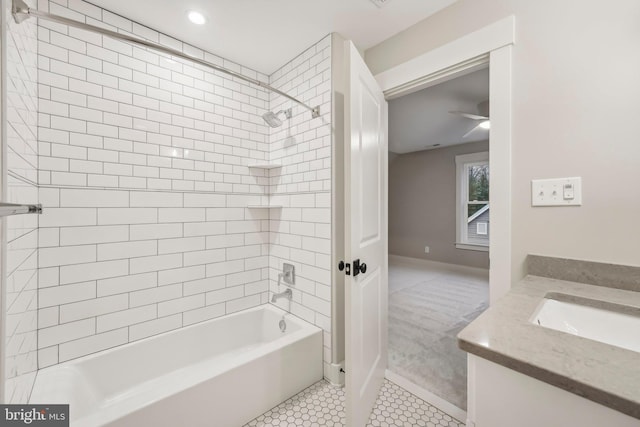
{"x":489,"y":45}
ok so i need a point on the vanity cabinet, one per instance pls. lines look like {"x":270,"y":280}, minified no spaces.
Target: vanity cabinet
{"x":501,"y":397}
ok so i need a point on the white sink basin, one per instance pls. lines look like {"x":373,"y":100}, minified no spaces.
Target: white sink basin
{"x":610,"y":327}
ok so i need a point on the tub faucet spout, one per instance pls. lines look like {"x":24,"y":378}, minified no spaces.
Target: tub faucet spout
{"x":288,"y":294}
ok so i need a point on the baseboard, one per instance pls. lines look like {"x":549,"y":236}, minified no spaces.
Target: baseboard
{"x":439,"y":266}
{"x":427,"y":396}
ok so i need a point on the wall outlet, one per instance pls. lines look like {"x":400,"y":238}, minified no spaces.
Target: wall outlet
{"x":426,"y":249}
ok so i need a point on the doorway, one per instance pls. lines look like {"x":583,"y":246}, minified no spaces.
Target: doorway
{"x":439,"y":231}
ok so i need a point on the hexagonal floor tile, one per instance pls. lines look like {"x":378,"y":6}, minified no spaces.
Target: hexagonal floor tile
{"x":323,"y":405}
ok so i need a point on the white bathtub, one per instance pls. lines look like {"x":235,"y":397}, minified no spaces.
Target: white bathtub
{"x":223,"y":372}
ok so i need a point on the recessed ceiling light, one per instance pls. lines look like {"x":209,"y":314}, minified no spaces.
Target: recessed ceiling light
{"x":485,"y":125}
{"x":196,"y":17}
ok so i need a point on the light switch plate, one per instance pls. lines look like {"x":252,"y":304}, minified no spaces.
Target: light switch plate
{"x":556,"y":192}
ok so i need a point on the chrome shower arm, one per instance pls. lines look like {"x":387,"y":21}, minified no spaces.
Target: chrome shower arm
{"x":21,"y":12}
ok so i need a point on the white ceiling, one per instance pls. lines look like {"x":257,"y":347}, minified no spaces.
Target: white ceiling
{"x":266,"y":34}
{"x":419,"y":120}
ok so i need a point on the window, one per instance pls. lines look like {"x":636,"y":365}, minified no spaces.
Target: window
{"x":472,"y":210}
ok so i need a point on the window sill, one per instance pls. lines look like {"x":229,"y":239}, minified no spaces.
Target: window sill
{"x":471,"y":247}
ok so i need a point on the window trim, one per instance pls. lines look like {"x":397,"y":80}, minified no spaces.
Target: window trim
{"x":462,"y":184}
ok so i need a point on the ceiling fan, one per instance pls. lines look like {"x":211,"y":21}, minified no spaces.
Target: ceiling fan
{"x":483,"y":120}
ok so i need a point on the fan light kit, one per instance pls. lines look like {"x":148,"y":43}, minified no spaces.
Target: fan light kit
{"x":196,"y":17}
{"x":483,"y":120}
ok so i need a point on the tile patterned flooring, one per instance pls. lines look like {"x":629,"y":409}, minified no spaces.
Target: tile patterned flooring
{"x":323,"y":405}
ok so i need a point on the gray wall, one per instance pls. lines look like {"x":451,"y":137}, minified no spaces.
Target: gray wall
{"x":422,"y":206}
{"x":576,"y":89}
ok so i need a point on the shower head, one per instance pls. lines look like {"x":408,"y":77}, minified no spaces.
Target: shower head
{"x":272,"y":118}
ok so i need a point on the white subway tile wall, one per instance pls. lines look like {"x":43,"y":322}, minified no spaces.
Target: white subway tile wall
{"x":144,"y":175}
{"x":144,"y":178}
{"x":300,"y":232}
{"x":20,"y":243}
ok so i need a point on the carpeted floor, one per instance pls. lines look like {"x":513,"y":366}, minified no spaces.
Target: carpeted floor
{"x":427,"y":309}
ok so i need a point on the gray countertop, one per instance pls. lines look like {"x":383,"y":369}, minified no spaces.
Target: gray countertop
{"x":599,"y":372}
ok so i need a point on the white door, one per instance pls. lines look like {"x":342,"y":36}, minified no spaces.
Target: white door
{"x":366,"y":289}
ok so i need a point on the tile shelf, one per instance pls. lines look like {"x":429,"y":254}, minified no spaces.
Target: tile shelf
{"x":264,"y":166}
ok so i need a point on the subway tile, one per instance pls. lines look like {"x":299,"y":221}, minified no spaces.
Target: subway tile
{"x":155,"y":199}
{"x":181,"y":245}
{"x":242,"y":252}
{"x":194,"y":200}
{"x":93,"y":307}
{"x":178,"y":275}
{"x":85,"y":166}
{"x":155,"y":231}
{"x":47,"y":357}
{"x":64,"y":333}
{"x":107,"y":216}
{"x":204,"y":285}
{"x":83,"y":346}
{"x":85,"y":114}
{"x":102,"y":181}
{"x":126,"y":250}
{"x":222,"y":295}
{"x":204,"y":257}
{"x":124,"y":318}
{"x":72,"y":179}
{"x":243,"y":303}
{"x":127,"y":283}
{"x":92,"y":271}
{"x":244,"y":277}
{"x":48,"y":277}
{"x":50,"y":257}
{"x":48,"y":316}
{"x":57,"y":295}
{"x":200,"y":315}
{"x":204,"y":228}
{"x":181,"y":305}
{"x":181,"y":214}
{"x":154,"y":327}
{"x":155,"y":295}
{"x":48,"y":237}
{"x":99,"y":234}
{"x":155,"y":263}
{"x":82,"y":198}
